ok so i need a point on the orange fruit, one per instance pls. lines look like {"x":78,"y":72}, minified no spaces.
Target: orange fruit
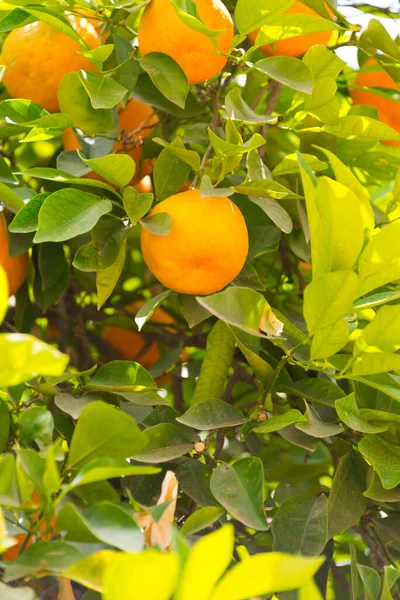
{"x":38,"y":56}
{"x":298,"y":45}
{"x":12,"y":553}
{"x":130,"y":344}
{"x":206,"y":247}
{"x":388,"y":110}
{"x":162,"y":30}
{"x":136,"y":119}
{"x":16,"y":267}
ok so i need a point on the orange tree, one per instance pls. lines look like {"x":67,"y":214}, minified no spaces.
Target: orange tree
{"x":199,"y":298}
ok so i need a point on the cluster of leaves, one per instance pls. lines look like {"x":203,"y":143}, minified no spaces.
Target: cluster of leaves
{"x":285,"y":419}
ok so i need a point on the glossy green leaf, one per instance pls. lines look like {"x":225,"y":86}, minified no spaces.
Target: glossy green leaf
{"x":104,"y":92}
{"x":136,"y":205}
{"x":107,"y":279}
{"x":277,"y":422}
{"x":384,"y":457}
{"x":250,"y":15}
{"x":239,"y":489}
{"x":36,"y":423}
{"x":346,"y":503}
{"x":26,"y":220}
{"x":211,"y":414}
{"x":122,"y":377}
{"x":301,"y":526}
{"x":68,"y":213}
{"x":216,"y":364}
{"x":167,"y":76}
{"x":90,"y":570}
{"x":158,"y":224}
{"x":165,"y":442}
{"x":287,"y":70}
{"x":118,"y":169}
{"x":74,"y":102}
{"x":237,"y":109}
{"x":360,"y":419}
{"x":100,"y":469}
{"x":202,"y":518}
{"x":113,"y":434}
{"x":379,"y":262}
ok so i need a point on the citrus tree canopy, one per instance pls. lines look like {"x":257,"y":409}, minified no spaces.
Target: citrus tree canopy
{"x":199,"y":300}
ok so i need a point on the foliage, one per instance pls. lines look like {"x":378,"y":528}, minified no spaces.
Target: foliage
{"x":275,"y":401}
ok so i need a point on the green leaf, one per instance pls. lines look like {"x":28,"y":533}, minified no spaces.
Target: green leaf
{"x":346,"y":503}
{"x":167,"y":76}
{"x":319,"y":390}
{"x":55,"y":20}
{"x":265,"y":188}
{"x":114,"y":526}
{"x":230,"y":149}
{"x":337,"y":234}
{"x":206,"y":563}
{"x":202,"y":518}
{"x":190,"y":17}
{"x":90,"y":570}
{"x":262,"y":370}
{"x":191,"y":310}
{"x":211,"y":414}
{"x":26,"y":219}
{"x":149,"y":575}
{"x":251,"y":14}
{"x":75,"y":103}
{"x":264,"y":574}
{"x":190,"y":157}
{"x":375,"y":300}
{"x":216,"y":364}
{"x":136,"y":205}
{"x":278,"y":422}
{"x":287,"y":70}
{"x":118,"y":169}
{"x":113,"y":434}
{"x":99,"y":55}
{"x":360,"y":419}
{"x":122,"y":377}
{"x":345,"y":176}
{"x":376,"y":362}
{"x":104,"y":92}
{"x":275,"y":212}
{"x":379,"y":262}
{"x":165,"y":442}
{"x":301,"y":526}
{"x":68,"y":213}
{"x":390,"y":577}
{"x":330,"y":340}
{"x":315,"y":426}
{"x":329,"y":298}
{"x":237,"y":109}
{"x":24,"y":357}
{"x":36,"y":423}
{"x":5,"y":423}
{"x":100,"y":469}
{"x":382,"y":333}
{"x":363,"y":129}
{"x":159,"y":224}
{"x":10,"y":199}
{"x":51,"y":274}
{"x":194,"y":478}
{"x":239,"y":488}
{"x":107,"y":279}
{"x":170,"y":173}
{"x":56,"y":555}
{"x":241,"y":307}
{"x":145,"y":91}
{"x":63,"y":177}
{"x":290,"y":164}
{"x":384,"y":457}
{"x":371,"y":582}
{"x":147,"y":310}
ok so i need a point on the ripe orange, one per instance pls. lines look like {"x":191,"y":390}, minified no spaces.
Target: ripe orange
{"x":206,"y":247}
{"x":298,"y":45}
{"x":16,"y":267}
{"x":39,"y":55}
{"x":388,"y":110}
{"x":12,"y":553}
{"x":162,"y":30}
{"x":130,"y":344}
{"x":136,"y":121}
